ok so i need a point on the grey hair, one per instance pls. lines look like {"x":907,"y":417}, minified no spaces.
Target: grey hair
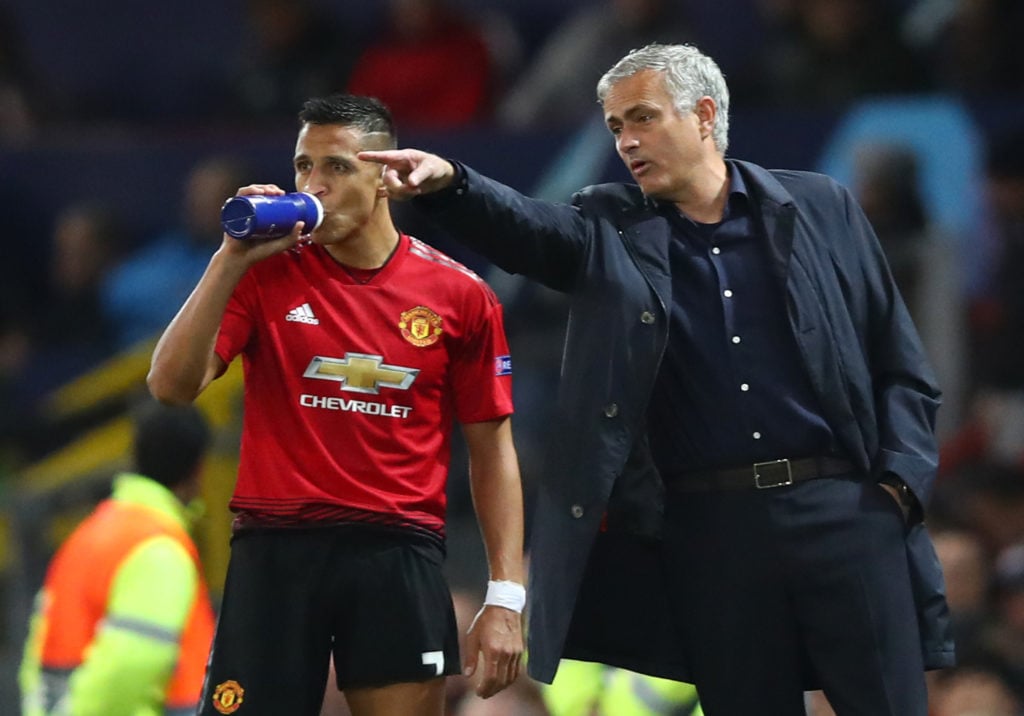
{"x":689,"y":75}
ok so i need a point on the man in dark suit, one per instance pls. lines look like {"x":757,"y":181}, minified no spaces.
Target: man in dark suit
{"x":745,"y":420}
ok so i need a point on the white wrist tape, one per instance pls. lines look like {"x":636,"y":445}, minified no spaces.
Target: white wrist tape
{"x":503,"y":593}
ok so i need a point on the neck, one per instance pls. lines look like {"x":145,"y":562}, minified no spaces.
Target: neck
{"x":369,"y":256}
{"x":368,"y":248}
{"x":704,"y":198}
{"x":188,"y":489}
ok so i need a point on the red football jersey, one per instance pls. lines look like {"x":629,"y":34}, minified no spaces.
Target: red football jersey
{"x":351,"y":389}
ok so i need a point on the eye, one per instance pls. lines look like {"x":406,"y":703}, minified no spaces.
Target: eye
{"x":616,"y":131}
{"x":302,"y":166}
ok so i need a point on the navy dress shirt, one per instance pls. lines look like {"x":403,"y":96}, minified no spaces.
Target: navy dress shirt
{"x":731,"y":389}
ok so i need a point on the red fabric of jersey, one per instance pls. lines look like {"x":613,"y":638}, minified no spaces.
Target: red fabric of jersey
{"x":351,"y":389}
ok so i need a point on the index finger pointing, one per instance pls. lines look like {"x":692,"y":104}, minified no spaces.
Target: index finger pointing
{"x":386,"y":156}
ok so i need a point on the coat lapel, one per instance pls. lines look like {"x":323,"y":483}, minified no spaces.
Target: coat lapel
{"x":777,"y":214}
{"x":646,"y":236}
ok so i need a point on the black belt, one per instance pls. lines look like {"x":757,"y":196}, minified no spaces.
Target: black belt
{"x":760,"y":475}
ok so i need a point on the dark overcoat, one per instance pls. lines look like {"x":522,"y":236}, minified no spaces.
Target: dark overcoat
{"x":596,"y":591}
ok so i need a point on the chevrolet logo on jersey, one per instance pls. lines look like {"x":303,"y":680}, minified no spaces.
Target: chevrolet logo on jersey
{"x":361,"y":373}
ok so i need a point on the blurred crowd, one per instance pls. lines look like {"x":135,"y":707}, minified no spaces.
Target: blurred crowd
{"x":444,"y":66}
{"x":451,"y":63}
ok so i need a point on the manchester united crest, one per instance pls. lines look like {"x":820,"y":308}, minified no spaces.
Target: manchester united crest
{"x":420,"y":326}
{"x":227,"y":697}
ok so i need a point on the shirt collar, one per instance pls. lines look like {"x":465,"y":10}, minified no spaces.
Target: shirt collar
{"x":737,"y":192}
{"x":736,"y":184}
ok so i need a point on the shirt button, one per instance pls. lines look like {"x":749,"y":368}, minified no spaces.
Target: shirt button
{"x":735,"y":339}
{"x":647,"y":317}
{"x":727,"y":293}
{"x":577,"y":511}
{"x":744,"y":387}
{"x":460,"y":191}
{"x":611,"y":410}
{"x":757,"y":436}
{"x":716,"y":250}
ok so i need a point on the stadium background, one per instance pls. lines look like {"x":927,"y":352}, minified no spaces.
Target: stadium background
{"x":116,"y":101}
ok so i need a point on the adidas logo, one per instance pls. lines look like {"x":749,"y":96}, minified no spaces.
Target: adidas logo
{"x":303,"y":314}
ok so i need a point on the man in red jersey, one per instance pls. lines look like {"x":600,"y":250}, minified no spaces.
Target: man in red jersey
{"x":361,"y":346}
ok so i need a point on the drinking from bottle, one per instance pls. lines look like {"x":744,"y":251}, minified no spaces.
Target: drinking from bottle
{"x":269,"y":217}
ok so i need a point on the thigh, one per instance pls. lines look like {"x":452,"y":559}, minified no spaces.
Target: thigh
{"x":854,"y":597}
{"x":393,"y":615}
{"x":271,"y":647}
{"x":424,"y":698}
{"x":738,"y":627}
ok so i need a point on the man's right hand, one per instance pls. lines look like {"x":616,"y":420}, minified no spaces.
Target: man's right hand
{"x":410,"y":172}
{"x":249,"y":251}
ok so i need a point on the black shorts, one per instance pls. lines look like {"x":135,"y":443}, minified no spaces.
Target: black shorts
{"x":377,"y":599}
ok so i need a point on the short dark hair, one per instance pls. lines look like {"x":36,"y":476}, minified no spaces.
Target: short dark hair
{"x":367,"y":114}
{"x":169,"y":441}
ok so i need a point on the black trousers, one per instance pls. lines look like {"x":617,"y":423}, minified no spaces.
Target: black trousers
{"x":793,"y":588}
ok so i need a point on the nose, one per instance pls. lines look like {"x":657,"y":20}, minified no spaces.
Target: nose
{"x":627,"y":142}
{"x":312,"y":184}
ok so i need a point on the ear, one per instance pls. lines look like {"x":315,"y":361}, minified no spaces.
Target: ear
{"x":706,"y":111}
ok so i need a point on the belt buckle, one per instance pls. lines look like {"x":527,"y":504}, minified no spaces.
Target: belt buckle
{"x":781,"y":474}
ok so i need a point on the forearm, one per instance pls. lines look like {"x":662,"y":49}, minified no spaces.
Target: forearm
{"x":499,"y":508}
{"x":522,"y":235}
{"x":497,"y":497}
{"x":184,"y":362}
{"x":495,"y":639}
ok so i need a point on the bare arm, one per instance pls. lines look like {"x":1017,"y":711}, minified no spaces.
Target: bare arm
{"x":184,"y":361}
{"x":495,"y":638}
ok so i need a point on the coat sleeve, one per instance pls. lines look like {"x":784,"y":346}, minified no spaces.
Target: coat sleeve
{"x":136,"y":649}
{"x":906,"y":393}
{"x":541,"y":240}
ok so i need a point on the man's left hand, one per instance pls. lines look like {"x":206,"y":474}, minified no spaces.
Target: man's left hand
{"x":494,"y":649}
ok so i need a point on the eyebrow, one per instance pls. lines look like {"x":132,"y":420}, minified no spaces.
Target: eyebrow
{"x":632,"y":111}
{"x":345,"y":161}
